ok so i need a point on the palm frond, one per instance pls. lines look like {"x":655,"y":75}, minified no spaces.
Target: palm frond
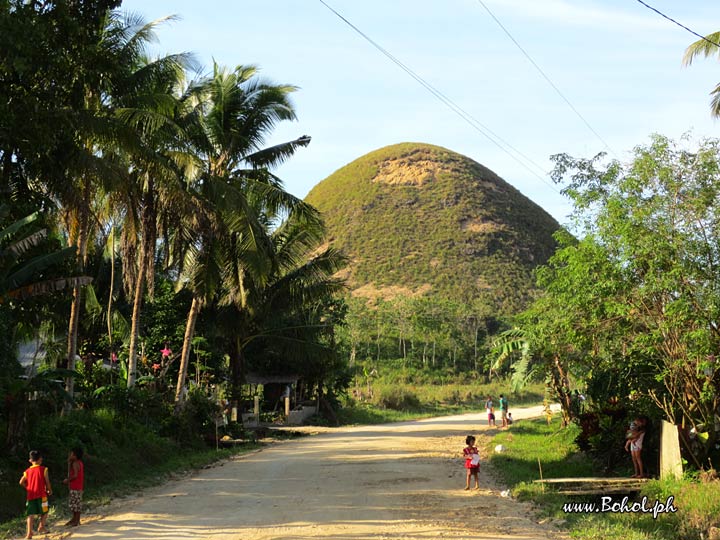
{"x":278,"y":154}
{"x":702,"y":47}
{"x":509,"y":343}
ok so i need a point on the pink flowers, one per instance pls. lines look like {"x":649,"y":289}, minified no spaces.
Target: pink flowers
{"x":166,"y":352}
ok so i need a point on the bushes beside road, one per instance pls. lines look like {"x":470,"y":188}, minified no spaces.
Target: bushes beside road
{"x":697,"y":499}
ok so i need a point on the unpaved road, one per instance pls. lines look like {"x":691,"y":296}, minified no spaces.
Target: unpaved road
{"x":372,"y":482}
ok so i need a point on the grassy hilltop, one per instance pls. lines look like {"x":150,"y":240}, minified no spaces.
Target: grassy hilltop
{"x":418,"y":219}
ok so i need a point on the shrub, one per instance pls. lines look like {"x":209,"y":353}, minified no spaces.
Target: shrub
{"x":196,"y":420}
{"x":398,"y":399}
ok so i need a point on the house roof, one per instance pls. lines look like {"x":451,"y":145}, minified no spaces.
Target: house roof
{"x":260,"y":378}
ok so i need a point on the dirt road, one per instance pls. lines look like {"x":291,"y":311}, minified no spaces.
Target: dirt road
{"x":381,"y":482}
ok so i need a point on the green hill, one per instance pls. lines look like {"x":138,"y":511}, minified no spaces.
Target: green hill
{"x":417,"y":219}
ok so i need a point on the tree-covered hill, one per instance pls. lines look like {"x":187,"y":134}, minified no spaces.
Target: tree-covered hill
{"x":417,"y":219}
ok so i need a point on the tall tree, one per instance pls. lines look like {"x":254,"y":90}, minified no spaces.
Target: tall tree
{"x":652,"y":229}
{"x":238,"y":193}
{"x":147,"y":144}
{"x":288,"y":309}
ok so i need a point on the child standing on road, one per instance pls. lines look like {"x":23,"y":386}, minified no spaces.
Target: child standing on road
{"x":503,"y":410}
{"x":76,"y":483}
{"x":36,"y":481}
{"x":490,"y":408}
{"x":472,"y":462}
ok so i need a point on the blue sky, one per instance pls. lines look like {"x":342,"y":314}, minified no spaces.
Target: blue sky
{"x":617,"y":62}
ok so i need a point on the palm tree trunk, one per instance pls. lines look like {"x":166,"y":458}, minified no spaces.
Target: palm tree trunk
{"x":475,"y":350}
{"x":135,"y":324}
{"x":147,"y":257}
{"x":74,"y":324}
{"x":112,"y":288}
{"x":185,"y":357}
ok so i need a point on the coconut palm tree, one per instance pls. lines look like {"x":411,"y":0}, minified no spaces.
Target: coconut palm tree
{"x":238,"y":195}
{"x":275,"y":307}
{"x":145,"y":107}
{"x":114,"y":113}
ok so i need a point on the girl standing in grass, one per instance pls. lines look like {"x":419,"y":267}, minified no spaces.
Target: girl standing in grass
{"x":472,"y":461}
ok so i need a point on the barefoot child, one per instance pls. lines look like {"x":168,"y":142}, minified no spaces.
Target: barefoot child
{"x":472,"y":461}
{"x":36,"y":481}
{"x":634,"y":443}
{"x":76,"y":483}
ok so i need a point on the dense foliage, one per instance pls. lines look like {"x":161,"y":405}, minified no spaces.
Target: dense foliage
{"x":631,"y":309}
{"x":148,"y":254}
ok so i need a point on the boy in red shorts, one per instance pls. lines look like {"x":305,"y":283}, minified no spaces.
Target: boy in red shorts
{"x":36,"y":481}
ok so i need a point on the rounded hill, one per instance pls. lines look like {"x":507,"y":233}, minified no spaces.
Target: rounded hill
{"x":417,"y":219}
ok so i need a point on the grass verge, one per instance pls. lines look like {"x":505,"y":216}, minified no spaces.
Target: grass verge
{"x":121,"y":459}
{"x":401,"y":401}
{"x":532,"y":441}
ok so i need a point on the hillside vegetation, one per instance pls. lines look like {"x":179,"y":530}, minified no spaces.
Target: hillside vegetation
{"x":417,"y":219}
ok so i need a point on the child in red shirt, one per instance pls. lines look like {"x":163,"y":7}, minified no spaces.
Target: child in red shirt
{"x":472,"y":461}
{"x":36,"y":481}
{"x":76,"y":483}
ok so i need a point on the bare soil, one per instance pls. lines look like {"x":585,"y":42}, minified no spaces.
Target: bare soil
{"x":391,"y":481}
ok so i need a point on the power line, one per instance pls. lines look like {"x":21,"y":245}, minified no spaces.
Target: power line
{"x":473,"y":122}
{"x":679,"y":24}
{"x":544,"y":75}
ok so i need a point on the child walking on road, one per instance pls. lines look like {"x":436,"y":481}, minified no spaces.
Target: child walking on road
{"x":76,"y":483}
{"x":472,"y":462}
{"x":36,"y":481}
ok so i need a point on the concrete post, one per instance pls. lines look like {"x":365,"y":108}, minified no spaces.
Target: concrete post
{"x":670,"y":458}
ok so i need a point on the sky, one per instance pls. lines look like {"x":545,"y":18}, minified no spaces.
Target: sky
{"x":616,"y":62}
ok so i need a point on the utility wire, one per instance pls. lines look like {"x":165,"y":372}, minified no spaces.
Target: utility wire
{"x":679,"y":24}
{"x":474,"y":123}
{"x":544,"y":75}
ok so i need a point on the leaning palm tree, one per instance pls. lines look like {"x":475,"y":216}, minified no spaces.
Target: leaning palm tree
{"x":238,"y":196}
{"x":145,"y":106}
{"x":706,"y":47}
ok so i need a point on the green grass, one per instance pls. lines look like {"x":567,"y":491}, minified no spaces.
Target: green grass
{"x":530,"y":441}
{"x":428,"y":400}
{"x":122,"y":457}
{"x":532,"y":445}
{"x":383,"y":227}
